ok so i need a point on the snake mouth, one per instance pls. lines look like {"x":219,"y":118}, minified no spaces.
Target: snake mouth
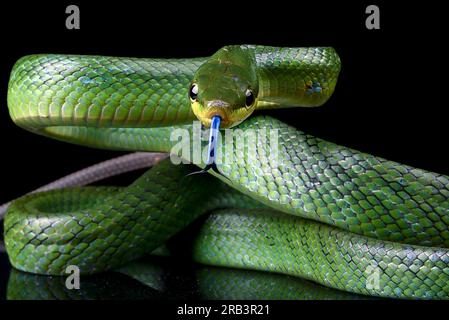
{"x":209,"y":114}
{"x":209,"y":109}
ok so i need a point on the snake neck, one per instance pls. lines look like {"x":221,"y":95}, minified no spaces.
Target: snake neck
{"x":295,"y":77}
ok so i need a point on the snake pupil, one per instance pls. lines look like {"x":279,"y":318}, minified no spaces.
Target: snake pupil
{"x":193,"y":92}
{"x":249,"y":98}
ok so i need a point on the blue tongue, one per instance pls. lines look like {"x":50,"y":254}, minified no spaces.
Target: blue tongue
{"x":210,"y":162}
{"x":214,"y":128}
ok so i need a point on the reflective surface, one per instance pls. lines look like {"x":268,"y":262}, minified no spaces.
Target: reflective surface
{"x":156,"y":277}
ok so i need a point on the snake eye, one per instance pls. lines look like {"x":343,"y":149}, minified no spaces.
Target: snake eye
{"x":193,"y":92}
{"x":249,"y":98}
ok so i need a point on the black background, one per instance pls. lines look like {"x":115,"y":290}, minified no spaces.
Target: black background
{"x":389,"y":101}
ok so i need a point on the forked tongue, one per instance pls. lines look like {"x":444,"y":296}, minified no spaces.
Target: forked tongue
{"x":213,"y":135}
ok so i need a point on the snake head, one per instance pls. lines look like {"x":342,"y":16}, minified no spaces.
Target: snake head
{"x":227,"y":86}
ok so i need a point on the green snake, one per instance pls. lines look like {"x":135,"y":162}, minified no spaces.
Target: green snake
{"x":320,"y":211}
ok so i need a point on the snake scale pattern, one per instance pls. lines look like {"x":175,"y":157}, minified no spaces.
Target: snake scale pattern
{"x":322,"y":212}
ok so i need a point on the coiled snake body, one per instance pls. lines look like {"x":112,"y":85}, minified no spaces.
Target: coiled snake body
{"x":323,"y":212}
